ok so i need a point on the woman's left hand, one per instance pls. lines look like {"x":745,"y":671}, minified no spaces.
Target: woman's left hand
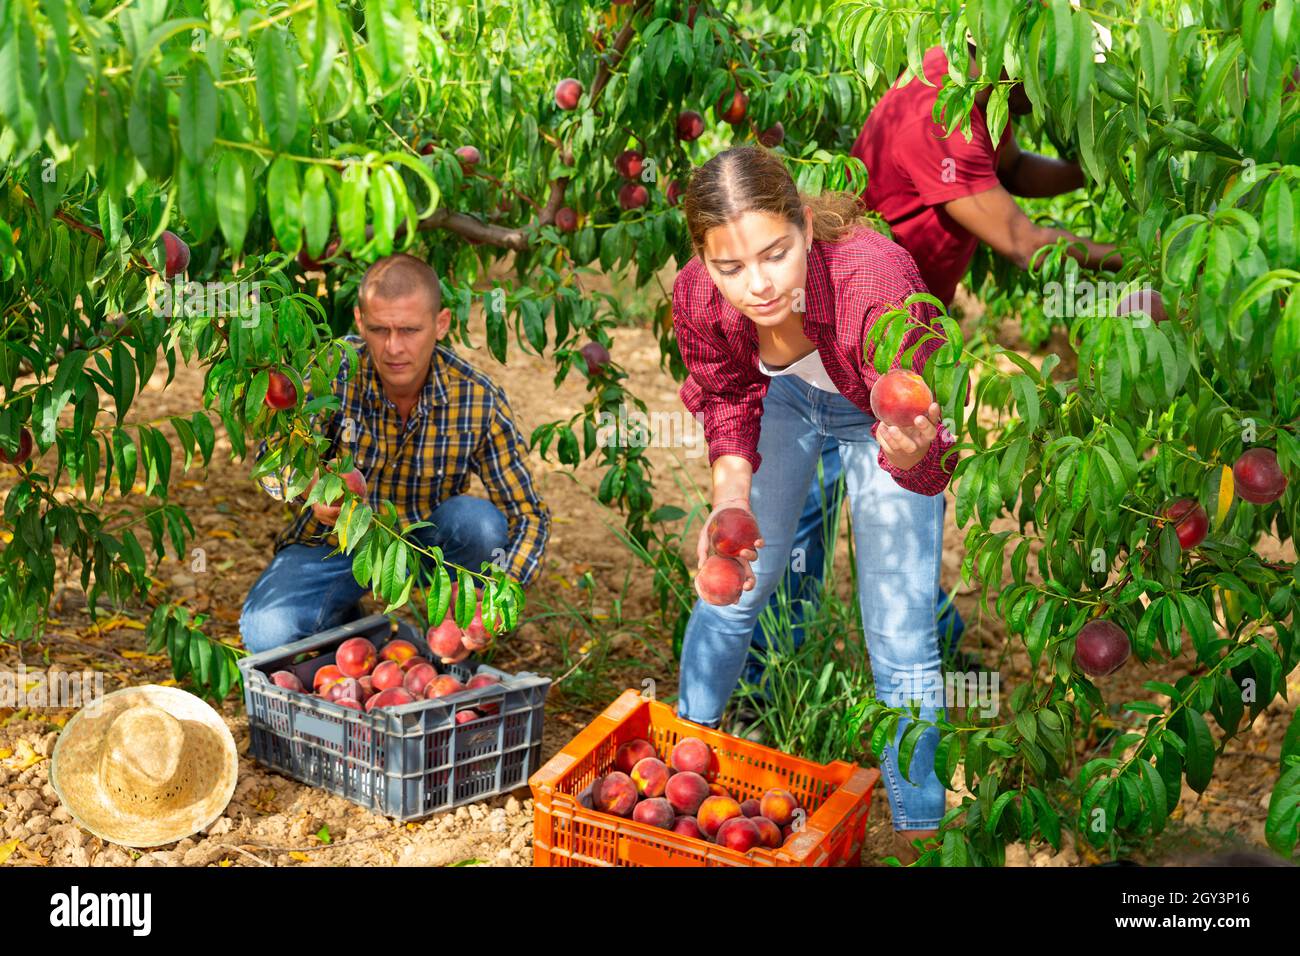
{"x":904,"y":447}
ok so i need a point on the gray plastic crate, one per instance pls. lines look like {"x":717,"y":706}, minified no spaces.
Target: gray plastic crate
{"x":404,"y":762}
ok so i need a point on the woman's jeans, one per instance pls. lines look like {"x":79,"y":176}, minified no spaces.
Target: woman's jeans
{"x":305,"y":590}
{"x":803,"y":584}
{"x":897,"y":541}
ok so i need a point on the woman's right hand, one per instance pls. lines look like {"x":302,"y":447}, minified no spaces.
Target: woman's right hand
{"x":745,"y":557}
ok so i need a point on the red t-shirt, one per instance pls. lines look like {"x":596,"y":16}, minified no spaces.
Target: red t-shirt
{"x":914,"y":167}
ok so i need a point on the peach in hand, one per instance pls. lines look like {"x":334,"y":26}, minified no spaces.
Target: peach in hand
{"x":721,"y":580}
{"x":899,"y":396}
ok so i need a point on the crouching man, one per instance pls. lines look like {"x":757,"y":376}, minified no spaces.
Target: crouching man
{"x":419,"y":421}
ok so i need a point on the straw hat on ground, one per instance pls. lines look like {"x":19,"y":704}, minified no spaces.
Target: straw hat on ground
{"x":145,"y":766}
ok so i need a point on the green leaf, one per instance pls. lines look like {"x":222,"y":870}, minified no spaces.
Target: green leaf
{"x":198,"y":113}
{"x":1200,"y":749}
{"x":233,"y":205}
{"x":284,"y":202}
{"x":277,"y":88}
{"x":317,"y":213}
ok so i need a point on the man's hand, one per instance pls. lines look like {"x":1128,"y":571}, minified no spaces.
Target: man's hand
{"x":905,"y":447}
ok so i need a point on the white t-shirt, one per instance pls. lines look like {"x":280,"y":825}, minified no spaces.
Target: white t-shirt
{"x":809,"y":368}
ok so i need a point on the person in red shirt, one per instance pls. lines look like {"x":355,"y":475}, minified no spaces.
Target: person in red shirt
{"x":942,"y":196}
{"x":772,"y":315}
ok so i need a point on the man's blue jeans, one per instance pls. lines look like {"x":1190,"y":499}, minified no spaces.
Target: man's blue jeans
{"x":821,"y":511}
{"x":898,"y":536}
{"x":304,"y":590}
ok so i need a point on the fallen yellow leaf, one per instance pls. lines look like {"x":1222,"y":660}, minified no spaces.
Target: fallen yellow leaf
{"x":141,"y":655}
{"x":114,"y":623}
{"x":169,"y":682}
{"x":6,"y":850}
{"x":24,"y":758}
{"x":300,"y":857}
{"x":222,"y":533}
{"x":224,"y":862}
{"x":5,"y":753}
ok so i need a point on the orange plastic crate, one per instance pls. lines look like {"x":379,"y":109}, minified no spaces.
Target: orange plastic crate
{"x":835,"y":796}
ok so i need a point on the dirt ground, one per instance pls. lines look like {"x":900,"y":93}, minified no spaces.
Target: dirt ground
{"x":274,"y":821}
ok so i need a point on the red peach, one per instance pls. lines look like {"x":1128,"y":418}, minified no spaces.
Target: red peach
{"x":718,"y":790}
{"x":356,"y":483}
{"x":326,"y":676}
{"x":281,"y":393}
{"x":773,"y":136}
{"x":567,"y":93}
{"x":398,"y":650}
{"x":1258,"y":477}
{"x":442,"y":686}
{"x":628,"y":163}
{"x":367,"y":687}
{"x":392,"y":697}
{"x":595,"y":355}
{"x":769,"y":834}
{"x":356,"y":657}
{"x":447,"y":639}
{"x":715,"y":811}
{"x":465,"y":716}
{"x":349,"y":702}
{"x":347,"y":687}
{"x":566,"y":220}
{"x":899,"y":396}
{"x":721,"y":580}
{"x":630,"y":752}
{"x":411,"y":662}
{"x":750,"y":808}
{"x":687,"y":826}
{"x":686,"y":791}
{"x":24,"y":449}
{"x":739,"y":833}
{"x":690,"y":125}
{"x":633,"y":195}
{"x":288,"y":680}
{"x":1190,"y":522}
{"x":469,"y":157}
{"x":656,"y":811}
{"x":732,"y":531}
{"x":732,"y":109}
{"x":615,"y":794}
{"x":387,"y":676}
{"x":419,"y":677}
{"x":476,"y":635}
{"x":650,"y":776}
{"x":484,"y":680}
{"x":694,"y":755}
{"x":176,"y":253}
{"x":1101,"y":648}
{"x":778,"y":806}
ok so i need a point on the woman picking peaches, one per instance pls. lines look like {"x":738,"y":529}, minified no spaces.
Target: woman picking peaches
{"x":772,"y":316}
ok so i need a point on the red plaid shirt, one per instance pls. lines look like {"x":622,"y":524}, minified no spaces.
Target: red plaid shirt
{"x":850,"y":285}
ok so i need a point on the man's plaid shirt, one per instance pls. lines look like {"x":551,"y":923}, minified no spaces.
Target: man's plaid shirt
{"x":461,"y":425}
